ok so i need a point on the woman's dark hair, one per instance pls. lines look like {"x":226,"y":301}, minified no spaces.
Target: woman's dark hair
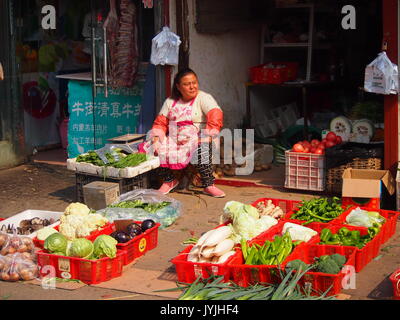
{"x":181,"y":73}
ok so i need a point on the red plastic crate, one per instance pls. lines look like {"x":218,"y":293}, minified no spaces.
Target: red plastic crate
{"x":395,"y":279}
{"x":107,"y":229}
{"x":188,"y":272}
{"x":365,"y":254}
{"x":318,"y":281}
{"x":285,"y":205}
{"x":139,"y":245}
{"x":270,"y":73}
{"x":276,"y":230}
{"x":88,"y":271}
{"x":305,"y":171}
{"x":313,"y":225}
{"x":388,"y":228}
{"x":246,"y":275}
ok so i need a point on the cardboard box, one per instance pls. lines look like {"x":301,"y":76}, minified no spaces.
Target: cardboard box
{"x":366,"y":187}
{"x":99,"y":194}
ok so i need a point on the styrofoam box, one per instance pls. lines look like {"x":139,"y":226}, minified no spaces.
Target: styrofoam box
{"x":111,"y":172}
{"x":29,"y":214}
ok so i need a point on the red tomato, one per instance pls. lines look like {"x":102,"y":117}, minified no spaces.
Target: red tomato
{"x":298,"y":148}
{"x":306,"y":144}
{"x":319,"y":151}
{"x":331,"y":136}
{"x":306,"y":149}
{"x":339,"y":140}
{"x":321,"y":146}
{"x":315,"y":142}
{"x":312,"y":150}
{"x":330,"y":144}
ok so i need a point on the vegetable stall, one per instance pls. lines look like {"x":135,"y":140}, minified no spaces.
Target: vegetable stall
{"x":270,"y":249}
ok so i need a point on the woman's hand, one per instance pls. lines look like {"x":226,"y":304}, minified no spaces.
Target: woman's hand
{"x":207,"y":139}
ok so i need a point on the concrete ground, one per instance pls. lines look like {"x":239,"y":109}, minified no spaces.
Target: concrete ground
{"x":44,"y":186}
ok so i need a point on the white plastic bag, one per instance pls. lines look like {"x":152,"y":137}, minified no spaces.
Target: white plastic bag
{"x":165,"y":48}
{"x":381,"y":76}
{"x":165,"y":216}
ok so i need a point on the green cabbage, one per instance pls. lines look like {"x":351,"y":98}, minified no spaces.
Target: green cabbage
{"x":105,"y":246}
{"x":43,"y":233}
{"x":233,"y":209}
{"x":56,"y":242}
{"x":80,"y":248}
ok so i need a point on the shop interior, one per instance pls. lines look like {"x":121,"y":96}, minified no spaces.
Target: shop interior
{"x":43,"y":55}
{"x":329,"y":81}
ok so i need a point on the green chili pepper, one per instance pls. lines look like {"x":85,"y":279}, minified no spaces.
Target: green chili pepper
{"x":325,"y":234}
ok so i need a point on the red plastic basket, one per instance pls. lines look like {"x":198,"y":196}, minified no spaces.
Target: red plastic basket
{"x":271,"y":73}
{"x":388,"y":228}
{"x":318,"y":281}
{"x":139,"y":245}
{"x":277,"y":229}
{"x":313,"y":225}
{"x":395,"y":279}
{"x":88,"y":271}
{"x":285,"y":205}
{"x":107,"y":229}
{"x":365,"y":254}
{"x":188,"y":271}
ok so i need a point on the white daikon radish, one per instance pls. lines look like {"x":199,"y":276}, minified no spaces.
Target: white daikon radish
{"x":215,"y":259}
{"x":217,"y":236}
{"x":223,"y":247}
{"x":226,"y":256}
{"x":207,"y":252}
{"x":204,"y":237}
{"x":193,"y":254}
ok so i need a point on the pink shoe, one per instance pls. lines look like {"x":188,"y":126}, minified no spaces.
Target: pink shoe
{"x":167,"y":187}
{"x":214,"y":192}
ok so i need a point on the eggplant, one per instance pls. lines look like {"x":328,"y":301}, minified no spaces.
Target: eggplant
{"x":134,"y":229}
{"x":147,"y":224}
{"x":121,"y":236}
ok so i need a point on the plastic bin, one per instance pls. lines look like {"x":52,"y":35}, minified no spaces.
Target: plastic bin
{"x":88,"y":271}
{"x":139,"y":245}
{"x":277,"y":229}
{"x":188,"y":272}
{"x":274,"y":72}
{"x":320,"y":282}
{"x":142,"y":181}
{"x":395,"y":279}
{"x":365,"y":254}
{"x":305,"y":171}
{"x":388,"y":228}
{"x":107,"y":229}
{"x":29,"y":214}
{"x":313,"y":225}
{"x":246,"y":275}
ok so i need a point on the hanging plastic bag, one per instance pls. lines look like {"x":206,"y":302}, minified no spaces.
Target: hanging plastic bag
{"x":165,"y":48}
{"x":381,"y":76}
{"x":144,"y":204}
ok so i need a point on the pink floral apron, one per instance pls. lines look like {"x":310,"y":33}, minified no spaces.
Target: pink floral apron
{"x":176,"y":150}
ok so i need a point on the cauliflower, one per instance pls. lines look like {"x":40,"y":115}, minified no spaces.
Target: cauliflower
{"x":67,"y":230}
{"x":96,"y":220}
{"x":77,"y":208}
{"x":77,"y":224}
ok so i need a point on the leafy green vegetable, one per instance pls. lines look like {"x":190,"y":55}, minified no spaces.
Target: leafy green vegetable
{"x":149,"y":207}
{"x":56,"y":242}
{"x":81,"y":248}
{"x":105,"y":246}
{"x":130,"y":160}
